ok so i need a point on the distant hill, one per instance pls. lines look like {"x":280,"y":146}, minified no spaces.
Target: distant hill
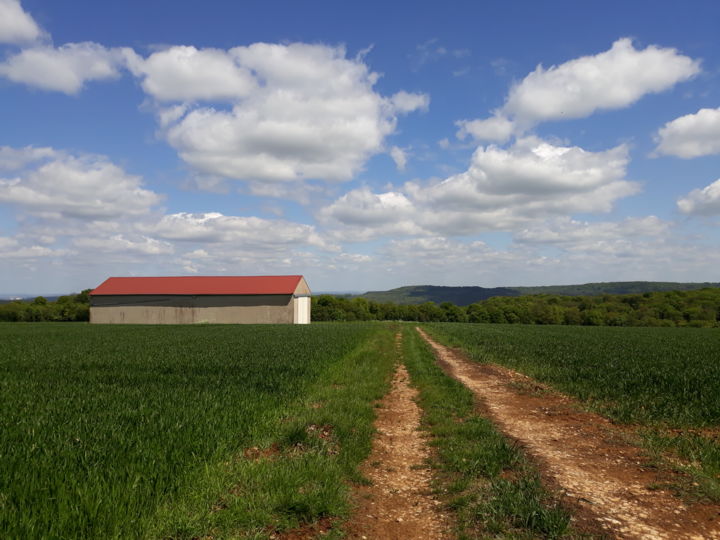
{"x":463,"y":296}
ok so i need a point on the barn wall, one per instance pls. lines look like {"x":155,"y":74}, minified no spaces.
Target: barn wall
{"x":301,"y":310}
{"x":227,"y":309}
{"x":302,"y":288}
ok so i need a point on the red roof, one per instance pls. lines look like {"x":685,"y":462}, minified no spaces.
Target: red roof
{"x":199,"y":285}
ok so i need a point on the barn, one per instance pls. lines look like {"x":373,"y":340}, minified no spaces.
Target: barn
{"x":201,"y":299}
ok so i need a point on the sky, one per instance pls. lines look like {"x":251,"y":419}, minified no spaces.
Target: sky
{"x":365,"y":145}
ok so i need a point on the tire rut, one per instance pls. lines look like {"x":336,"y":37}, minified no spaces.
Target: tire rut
{"x":600,"y":474}
{"x":398,"y":505}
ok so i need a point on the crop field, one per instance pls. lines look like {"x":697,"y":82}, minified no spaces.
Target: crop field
{"x":133,"y":432}
{"x":664,"y":380}
{"x":247,"y":431}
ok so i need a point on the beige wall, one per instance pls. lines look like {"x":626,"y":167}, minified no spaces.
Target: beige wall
{"x":302,"y":289}
{"x":193,"y":309}
{"x":301,"y":310}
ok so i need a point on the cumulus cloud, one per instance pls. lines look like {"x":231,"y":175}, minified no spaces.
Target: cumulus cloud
{"x":361,"y":215}
{"x":260,"y":113}
{"x":532,"y":179}
{"x":533,"y":166}
{"x":582,"y":235}
{"x":613,"y":79}
{"x":16,"y":25}
{"x":67,"y":68}
{"x":188,"y":74}
{"x":399,"y":156}
{"x":85,"y":187}
{"x":496,"y":128}
{"x":12,"y":159}
{"x":644,"y":248}
{"x":216,"y":228}
{"x":705,"y":201}
{"x":692,"y":135}
{"x":406,"y":102}
{"x":610,"y":80}
{"x":441,"y":260}
{"x":365,"y":208}
{"x":501,"y":190}
{"x":10,"y":248}
{"x":120,"y":243}
{"x":292,"y":112}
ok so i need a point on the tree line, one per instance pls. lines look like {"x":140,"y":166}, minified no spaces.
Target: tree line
{"x":73,"y":307}
{"x":699,"y":308}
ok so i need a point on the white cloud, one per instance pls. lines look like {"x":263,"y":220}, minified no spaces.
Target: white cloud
{"x":406,"y":102}
{"x":692,"y":135}
{"x":362,"y":215}
{"x":501,"y":190}
{"x":86,"y":187}
{"x":66,"y":68}
{"x":530,"y":180}
{"x":6,"y":243}
{"x":188,"y":74}
{"x":357,"y":258}
{"x":572,"y":234}
{"x":119,"y":243}
{"x":16,"y":25}
{"x":399,"y":156}
{"x":169,"y":115}
{"x":610,"y":80}
{"x":533,"y":166}
{"x":12,"y":159}
{"x":431,"y":51}
{"x":496,"y":128}
{"x":439,"y":260}
{"x":299,"y":192}
{"x":705,"y":201}
{"x":297,"y":111}
{"x":10,"y":248}
{"x":216,"y":228}
{"x":613,"y":79}
{"x":633,"y":249}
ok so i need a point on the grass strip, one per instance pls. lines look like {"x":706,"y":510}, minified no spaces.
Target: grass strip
{"x":485,"y":480}
{"x":299,"y":475}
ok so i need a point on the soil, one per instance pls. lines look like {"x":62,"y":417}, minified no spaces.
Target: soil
{"x":398,"y":505}
{"x":607,"y":480}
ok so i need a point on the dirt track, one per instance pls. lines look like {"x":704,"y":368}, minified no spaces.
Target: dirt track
{"x":601,"y":475}
{"x":398,"y":505}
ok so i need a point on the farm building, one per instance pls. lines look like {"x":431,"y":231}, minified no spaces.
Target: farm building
{"x":196,"y":299}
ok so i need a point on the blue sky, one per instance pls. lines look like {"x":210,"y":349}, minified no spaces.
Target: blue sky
{"x":364,"y":145}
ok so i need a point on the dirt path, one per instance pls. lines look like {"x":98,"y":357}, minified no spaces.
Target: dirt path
{"x":581,"y":452}
{"x":398,"y":505}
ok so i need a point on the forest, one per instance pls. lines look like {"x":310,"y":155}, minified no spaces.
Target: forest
{"x":699,"y":308}
{"x":72,"y":307}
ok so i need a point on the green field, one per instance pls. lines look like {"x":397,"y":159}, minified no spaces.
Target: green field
{"x":132,"y":432}
{"x":666,"y":381}
{"x":242,"y":431}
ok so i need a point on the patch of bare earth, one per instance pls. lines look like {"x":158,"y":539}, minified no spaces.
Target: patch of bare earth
{"x":600,"y":474}
{"x":398,"y":505}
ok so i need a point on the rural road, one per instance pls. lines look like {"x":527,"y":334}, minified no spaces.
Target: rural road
{"x":601,"y":475}
{"x":398,"y":504}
